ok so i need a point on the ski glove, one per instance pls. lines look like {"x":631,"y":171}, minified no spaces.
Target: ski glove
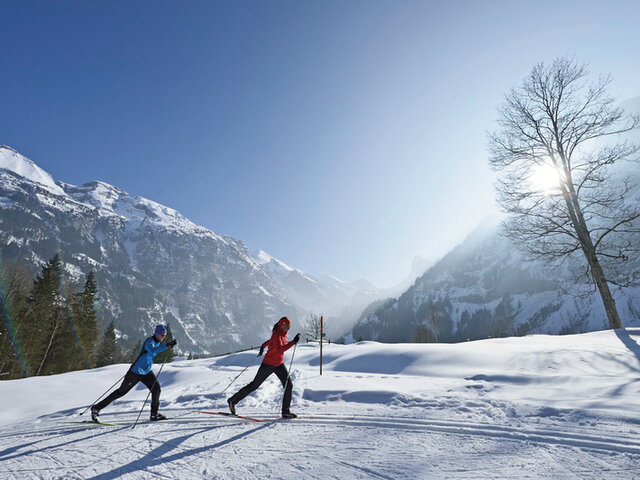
{"x":172,"y":343}
{"x":261,"y":351}
{"x":296,"y":339}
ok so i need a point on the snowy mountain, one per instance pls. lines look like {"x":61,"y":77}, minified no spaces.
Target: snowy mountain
{"x":486,"y":288}
{"x":152,"y":264}
{"x":537,"y":407}
{"x":340,"y":302}
{"x":325,"y":295}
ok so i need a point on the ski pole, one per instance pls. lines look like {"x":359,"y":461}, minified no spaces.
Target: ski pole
{"x":245,"y":368}
{"x":145,"y":400}
{"x":98,"y":399}
{"x":295,"y":345}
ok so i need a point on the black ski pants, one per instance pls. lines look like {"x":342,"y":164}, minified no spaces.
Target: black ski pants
{"x":131,"y":380}
{"x":263,"y":373}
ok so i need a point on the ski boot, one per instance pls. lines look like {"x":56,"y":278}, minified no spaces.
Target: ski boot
{"x":232,"y":406}
{"x":94,"y":414}
{"x":157,"y":416}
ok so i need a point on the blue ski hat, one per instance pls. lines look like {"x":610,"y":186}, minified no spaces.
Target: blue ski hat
{"x":160,"y":330}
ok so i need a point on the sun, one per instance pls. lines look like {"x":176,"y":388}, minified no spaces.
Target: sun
{"x":544,"y":178}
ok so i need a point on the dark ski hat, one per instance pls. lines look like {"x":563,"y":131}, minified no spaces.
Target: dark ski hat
{"x":160,"y":330}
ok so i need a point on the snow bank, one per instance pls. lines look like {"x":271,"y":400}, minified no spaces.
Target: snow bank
{"x":533,"y":407}
{"x":594,"y":370}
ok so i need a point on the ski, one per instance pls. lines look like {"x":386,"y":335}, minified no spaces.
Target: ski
{"x":97,"y":424}
{"x":228,"y":414}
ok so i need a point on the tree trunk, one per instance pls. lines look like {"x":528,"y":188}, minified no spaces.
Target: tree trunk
{"x":607,"y":299}
{"x":584,"y":237}
{"x":47,"y":351}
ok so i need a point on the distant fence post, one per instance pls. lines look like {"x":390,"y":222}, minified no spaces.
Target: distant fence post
{"x":321,"y":335}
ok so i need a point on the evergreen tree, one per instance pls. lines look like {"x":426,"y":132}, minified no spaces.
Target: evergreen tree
{"x":86,"y":323}
{"x":133,"y":354}
{"x":14,"y":288}
{"x":45,"y":321}
{"x":51,"y":333}
{"x":107,"y":351}
{"x":167,"y":355}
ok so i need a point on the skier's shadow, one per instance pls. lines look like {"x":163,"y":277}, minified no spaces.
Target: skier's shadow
{"x":7,"y":454}
{"x":156,"y":456}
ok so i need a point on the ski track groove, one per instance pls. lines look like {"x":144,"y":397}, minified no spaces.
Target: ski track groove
{"x":141,"y":467}
{"x":231,"y":442}
{"x":101,"y":458}
{"x":543,"y":436}
{"x":462,"y":428}
{"x":190,"y":451}
{"x":559,"y":465}
{"x":357,"y":468}
{"x":60,"y":465}
{"x":49,"y":438}
{"x":365,"y":470}
{"x":509,"y":433}
{"x":96,"y":457}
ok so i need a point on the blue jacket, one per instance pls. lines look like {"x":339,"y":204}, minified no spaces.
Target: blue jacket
{"x":149,"y":350}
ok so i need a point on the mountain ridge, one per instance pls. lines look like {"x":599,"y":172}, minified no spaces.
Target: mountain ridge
{"x":152,"y":264}
{"x":486,"y":288}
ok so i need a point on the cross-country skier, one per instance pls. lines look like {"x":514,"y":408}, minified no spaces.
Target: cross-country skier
{"x":140,"y":371}
{"x":273,"y":362}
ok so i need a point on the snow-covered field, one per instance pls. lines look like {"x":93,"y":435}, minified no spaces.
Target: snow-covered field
{"x":533,"y":407}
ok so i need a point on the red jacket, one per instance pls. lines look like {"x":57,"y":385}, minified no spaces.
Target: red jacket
{"x":277,"y":345}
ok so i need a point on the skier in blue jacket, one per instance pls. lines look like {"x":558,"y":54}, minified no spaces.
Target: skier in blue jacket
{"x":140,"y":371}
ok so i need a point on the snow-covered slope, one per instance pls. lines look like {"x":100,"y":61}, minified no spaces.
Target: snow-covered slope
{"x":543,"y":407}
{"x":13,"y":162}
{"x":152,"y":264}
{"x":486,"y":288}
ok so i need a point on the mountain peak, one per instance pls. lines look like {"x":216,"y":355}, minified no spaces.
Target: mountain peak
{"x":20,"y":165}
{"x":7,"y":147}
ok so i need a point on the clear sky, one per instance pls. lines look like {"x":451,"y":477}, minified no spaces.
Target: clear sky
{"x":342,"y":137}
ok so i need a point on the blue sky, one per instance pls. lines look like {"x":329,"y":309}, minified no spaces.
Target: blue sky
{"x":342,"y":137}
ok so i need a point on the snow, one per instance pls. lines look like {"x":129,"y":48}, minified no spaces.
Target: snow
{"x":263,"y":258}
{"x":110,"y":201}
{"x":22,"y":166}
{"x":532,"y":407}
{"x":11,"y":239}
{"x":265,"y":291}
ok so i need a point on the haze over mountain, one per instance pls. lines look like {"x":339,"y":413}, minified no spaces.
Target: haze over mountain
{"x":340,"y":302}
{"x":486,"y":288}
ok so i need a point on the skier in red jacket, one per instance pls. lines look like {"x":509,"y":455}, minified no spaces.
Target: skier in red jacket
{"x":273,"y":362}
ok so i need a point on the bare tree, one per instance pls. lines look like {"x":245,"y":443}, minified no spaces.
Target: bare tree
{"x":421,"y":334}
{"x":433,"y":319}
{"x":557,"y":122}
{"x":312,"y":327}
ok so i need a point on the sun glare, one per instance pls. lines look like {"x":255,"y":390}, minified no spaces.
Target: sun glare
{"x":544,"y":178}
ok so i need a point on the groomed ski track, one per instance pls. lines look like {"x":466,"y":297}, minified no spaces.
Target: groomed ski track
{"x":371,"y":446}
{"x":528,"y":408}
